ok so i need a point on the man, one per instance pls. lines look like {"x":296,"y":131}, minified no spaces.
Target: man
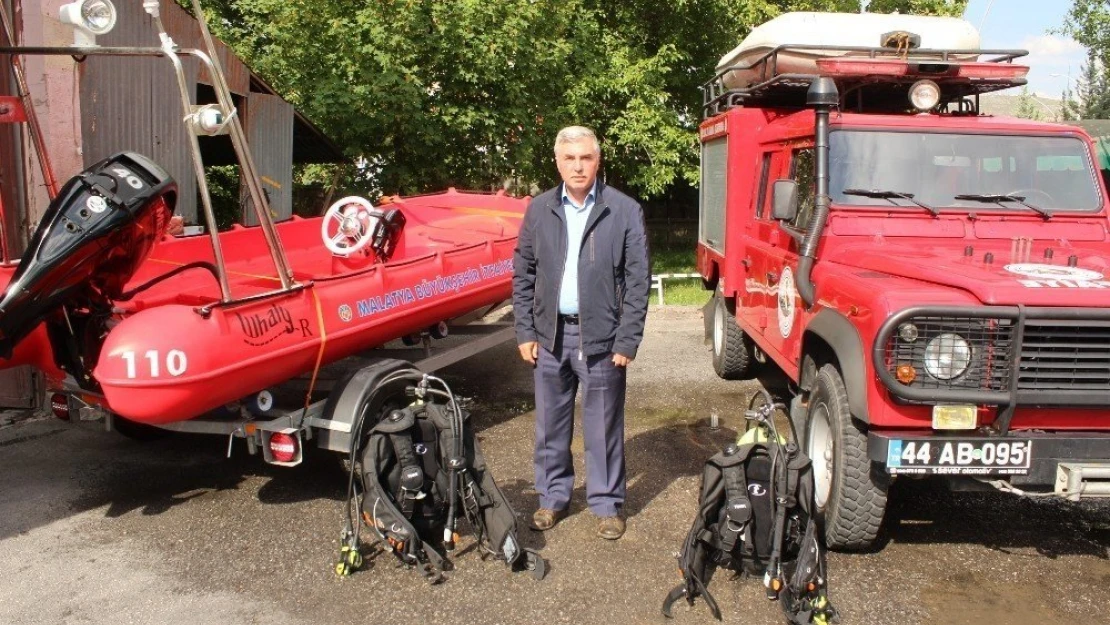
{"x":580,"y":291}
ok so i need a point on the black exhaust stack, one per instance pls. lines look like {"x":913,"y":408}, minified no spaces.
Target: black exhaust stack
{"x":823,"y":97}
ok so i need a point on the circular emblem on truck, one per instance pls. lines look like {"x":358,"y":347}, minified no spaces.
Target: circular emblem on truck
{"x":345,"y":313}
{"x":786,"y":306}
{"x":1053,"y":272}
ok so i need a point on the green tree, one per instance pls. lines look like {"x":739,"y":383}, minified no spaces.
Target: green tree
{"x":423,"y":94}
{"x":1091,"y":99}
{"x":1088,"y":22}
{"x":1026,"y":107}
{"x":951,"y":8}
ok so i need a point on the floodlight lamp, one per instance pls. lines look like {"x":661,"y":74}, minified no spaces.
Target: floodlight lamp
{"x":89,"y":18}
{"x":924,"y":95}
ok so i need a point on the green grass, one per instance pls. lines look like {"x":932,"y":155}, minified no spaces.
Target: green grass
{"x":673,"y":260}
{"x":677,"y":259}
{"x":682,"y":293}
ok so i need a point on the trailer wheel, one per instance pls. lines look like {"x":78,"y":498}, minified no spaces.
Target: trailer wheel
{"x":732,"y":352}
{"x":848,"y":487}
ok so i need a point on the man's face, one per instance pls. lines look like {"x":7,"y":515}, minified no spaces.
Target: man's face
{"x":577,"y":162}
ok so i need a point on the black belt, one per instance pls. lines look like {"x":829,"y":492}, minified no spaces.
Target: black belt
{"x":569,"y":319}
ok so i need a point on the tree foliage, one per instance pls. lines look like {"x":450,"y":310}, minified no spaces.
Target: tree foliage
{"x":1088,"y":22}
{"x":1027,"y":107}
{"x":423,"y":94}
{"x":1091,"y":99}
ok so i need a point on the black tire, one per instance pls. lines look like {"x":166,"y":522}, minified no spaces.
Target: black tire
{"x":849,"y":488}
{"x":732,"y":353}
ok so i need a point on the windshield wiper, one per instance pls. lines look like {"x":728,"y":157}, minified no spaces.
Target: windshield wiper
{"x":998,"y":198}
{"x":889,"y":195}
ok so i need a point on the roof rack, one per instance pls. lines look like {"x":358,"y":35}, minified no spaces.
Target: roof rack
{"x":884,"y":73}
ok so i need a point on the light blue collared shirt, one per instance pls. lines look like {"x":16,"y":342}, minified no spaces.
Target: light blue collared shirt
{"x":576,"y":216}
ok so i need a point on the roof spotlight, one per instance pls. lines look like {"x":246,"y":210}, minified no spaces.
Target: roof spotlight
{"x":924,"y":95}
{"x":89,"y":19}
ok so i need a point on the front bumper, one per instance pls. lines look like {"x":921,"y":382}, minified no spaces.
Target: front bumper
{"x":1048,"y":450}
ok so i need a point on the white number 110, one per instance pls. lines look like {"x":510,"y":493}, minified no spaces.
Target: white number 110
{"x":176,"y":363}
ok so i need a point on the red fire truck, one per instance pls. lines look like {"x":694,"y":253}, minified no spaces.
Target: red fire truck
{"x":934,"y":282}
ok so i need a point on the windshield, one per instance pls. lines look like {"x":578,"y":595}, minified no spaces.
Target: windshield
{"x":935,"y":168}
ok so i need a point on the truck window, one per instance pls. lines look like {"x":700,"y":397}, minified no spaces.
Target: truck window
{"x":802,"y":168}
{"x":714,"y":185}
{"x":761,"y":194}
{"x":1048,"y":172}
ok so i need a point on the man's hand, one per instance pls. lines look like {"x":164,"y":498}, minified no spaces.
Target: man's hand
{"x":530,"y":351}
{"x":621,"y":360}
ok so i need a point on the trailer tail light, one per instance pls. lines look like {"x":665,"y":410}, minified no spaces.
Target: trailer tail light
{"x":283,"y":447}
{"x":59,"y":405}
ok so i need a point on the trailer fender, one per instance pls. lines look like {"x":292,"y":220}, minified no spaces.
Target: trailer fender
{"x":353,"y":394}
{"x":834,"y":329}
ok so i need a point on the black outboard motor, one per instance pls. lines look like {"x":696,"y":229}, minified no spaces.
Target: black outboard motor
{"x":89,"y":243}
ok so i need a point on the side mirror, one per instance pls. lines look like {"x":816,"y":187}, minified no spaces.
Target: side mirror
{"x":784,"y":200}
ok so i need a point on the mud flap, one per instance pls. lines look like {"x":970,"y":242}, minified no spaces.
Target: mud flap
{"x":707,"y":318}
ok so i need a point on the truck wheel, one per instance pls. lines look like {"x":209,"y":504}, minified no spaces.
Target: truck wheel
{"x":732,"y":353}
{"x":848,"y":487}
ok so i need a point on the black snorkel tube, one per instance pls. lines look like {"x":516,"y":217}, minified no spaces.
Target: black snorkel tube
{"x":822,"y":96}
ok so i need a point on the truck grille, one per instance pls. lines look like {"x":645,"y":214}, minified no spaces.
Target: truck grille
{"x":1065,"y":355}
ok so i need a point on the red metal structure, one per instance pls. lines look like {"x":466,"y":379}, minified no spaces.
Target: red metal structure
{"x":934,"y":282}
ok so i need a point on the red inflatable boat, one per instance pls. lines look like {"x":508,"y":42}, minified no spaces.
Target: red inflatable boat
{"x":164,"y":330}
{"x":159,"y":329}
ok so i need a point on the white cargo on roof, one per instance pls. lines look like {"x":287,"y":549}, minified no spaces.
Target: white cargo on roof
{"x":836,"y":29}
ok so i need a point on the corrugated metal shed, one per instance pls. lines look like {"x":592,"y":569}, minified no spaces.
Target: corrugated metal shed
{"x":270,"y":134}
{"x":134,"y":104}
{"x":11,"y":178}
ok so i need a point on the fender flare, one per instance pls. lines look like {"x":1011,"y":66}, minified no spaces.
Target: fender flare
{"x":835,"y":330}
{"x":348,"y":399}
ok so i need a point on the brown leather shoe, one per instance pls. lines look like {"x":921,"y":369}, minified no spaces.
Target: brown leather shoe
{"x":610,"y":527}
{"x":546,"y":518}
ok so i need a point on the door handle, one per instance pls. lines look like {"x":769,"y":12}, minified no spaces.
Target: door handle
{"x":772,"y":278}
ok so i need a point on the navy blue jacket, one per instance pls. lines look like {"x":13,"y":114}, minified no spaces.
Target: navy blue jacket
{"x":614,"y":275}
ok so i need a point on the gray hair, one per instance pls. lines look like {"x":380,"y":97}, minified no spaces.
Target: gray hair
{"x":574,"y":134}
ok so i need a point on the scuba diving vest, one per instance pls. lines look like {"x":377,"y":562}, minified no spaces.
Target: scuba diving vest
{"x":421,"y":467}
{"x":755,"y":517}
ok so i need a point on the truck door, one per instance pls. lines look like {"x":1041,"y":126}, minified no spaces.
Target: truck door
{"x":750,"y":296}
{"x":775,"y":260}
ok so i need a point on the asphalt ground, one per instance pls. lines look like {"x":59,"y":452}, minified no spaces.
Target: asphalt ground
{"x":97,"y":528}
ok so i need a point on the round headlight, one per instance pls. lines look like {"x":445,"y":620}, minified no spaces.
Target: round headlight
{"x":924,"y":95}
{"x":908,"y":332}
{"x":947,"y":356}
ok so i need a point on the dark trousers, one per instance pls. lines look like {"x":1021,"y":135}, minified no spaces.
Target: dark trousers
{"x":558,"y":376}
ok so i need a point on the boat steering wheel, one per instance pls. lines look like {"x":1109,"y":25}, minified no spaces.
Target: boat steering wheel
{"x":355,"y":220}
